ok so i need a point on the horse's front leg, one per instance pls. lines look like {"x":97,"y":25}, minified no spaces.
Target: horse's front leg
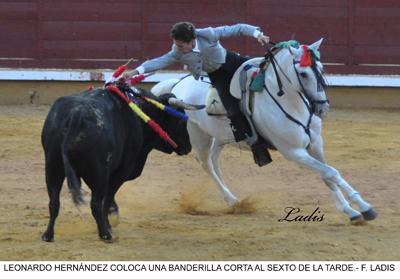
{"x":316,"y":150}
{"x":367,"y":211}
{"x":335,"y":181}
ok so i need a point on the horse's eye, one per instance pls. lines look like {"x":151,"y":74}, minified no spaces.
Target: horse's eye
{"x":303,"y":75}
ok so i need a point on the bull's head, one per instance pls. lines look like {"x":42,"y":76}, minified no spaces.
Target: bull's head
{"x":175,"y":127}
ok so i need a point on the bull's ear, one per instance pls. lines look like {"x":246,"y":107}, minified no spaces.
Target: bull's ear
{"x":315,"y":46}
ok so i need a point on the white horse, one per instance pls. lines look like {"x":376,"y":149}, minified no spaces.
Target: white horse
{"x":291,"y":122}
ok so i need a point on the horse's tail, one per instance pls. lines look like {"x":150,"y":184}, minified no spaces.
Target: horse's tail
{"x":73,"y":181}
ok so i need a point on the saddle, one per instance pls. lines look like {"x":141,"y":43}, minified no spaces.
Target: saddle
{"x":239,"y":88}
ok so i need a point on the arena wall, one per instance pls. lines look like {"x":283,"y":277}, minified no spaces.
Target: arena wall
{"x":360,"y":36}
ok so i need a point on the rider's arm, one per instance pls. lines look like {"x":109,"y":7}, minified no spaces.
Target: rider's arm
{"x":240,"y":30}
{"x":153,"y":64}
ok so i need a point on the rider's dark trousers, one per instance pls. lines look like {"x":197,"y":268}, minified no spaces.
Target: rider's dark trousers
{"x":221,"y":80}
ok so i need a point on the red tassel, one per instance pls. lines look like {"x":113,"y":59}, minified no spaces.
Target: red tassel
{"x":306,"y":58}
{"x":119,"y":71}
{"x":137,"y":79}
{"x":116,"y":90}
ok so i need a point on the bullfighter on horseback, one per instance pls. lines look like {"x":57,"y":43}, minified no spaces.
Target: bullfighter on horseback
{"x":200,"y":50}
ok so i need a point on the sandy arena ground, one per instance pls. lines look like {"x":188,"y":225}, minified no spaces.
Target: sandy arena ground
{"x":174,"y":212}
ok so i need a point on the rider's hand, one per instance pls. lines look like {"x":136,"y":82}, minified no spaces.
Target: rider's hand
{"x":262,"y":39}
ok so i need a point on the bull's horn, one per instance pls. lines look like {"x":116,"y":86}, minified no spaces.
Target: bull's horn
{"x":181,"y":104}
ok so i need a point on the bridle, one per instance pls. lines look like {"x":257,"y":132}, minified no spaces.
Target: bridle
{"x":308,"y":101}
{"x":321,"y":83}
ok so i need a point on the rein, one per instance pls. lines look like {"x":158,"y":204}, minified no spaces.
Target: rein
{"x":271,"y":56}
{"x":291,"y":118}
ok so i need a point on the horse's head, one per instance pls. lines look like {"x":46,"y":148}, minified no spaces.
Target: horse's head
{"x":310,"y":80}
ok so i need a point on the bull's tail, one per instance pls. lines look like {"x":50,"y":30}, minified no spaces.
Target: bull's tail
{"x":73,"y":181}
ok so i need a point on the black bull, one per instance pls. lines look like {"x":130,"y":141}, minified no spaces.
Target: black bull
{"x":96,"y":136}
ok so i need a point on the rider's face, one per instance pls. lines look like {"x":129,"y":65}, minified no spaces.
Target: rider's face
{"x":185,"y":47}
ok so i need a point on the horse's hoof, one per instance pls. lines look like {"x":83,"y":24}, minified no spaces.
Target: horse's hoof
{"x":246,"y":206}
{"x":357,"y":220}
{"x":47,"y":238}
{"x":370,"y":214}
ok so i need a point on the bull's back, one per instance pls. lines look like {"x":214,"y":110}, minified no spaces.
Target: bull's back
{"x":77,"y":118}
{"x":92,"y":130}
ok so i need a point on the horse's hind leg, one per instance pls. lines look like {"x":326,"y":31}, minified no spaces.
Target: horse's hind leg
{"x":214,"y":169}
{"x":208,"y":150}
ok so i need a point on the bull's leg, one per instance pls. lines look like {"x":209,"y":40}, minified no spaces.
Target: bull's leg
{"x":113,"y":213}
{"x":97,"y":179}
{"x":110,"y":207}
{"x":114,"y":209}
{"x":54,"y":180}
{"x":96,"y":204}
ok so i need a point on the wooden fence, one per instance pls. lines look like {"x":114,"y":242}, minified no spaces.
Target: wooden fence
{"x":360,"y":36}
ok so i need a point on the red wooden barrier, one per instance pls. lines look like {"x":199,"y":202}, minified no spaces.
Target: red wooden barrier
{"x":361,"y":36}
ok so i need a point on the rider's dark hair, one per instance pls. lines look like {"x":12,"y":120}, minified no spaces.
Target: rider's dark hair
{"x":183,"y":31}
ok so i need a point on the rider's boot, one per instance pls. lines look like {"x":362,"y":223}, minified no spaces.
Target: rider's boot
{"x":242,"y":131}
{"x":260,"y":153}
